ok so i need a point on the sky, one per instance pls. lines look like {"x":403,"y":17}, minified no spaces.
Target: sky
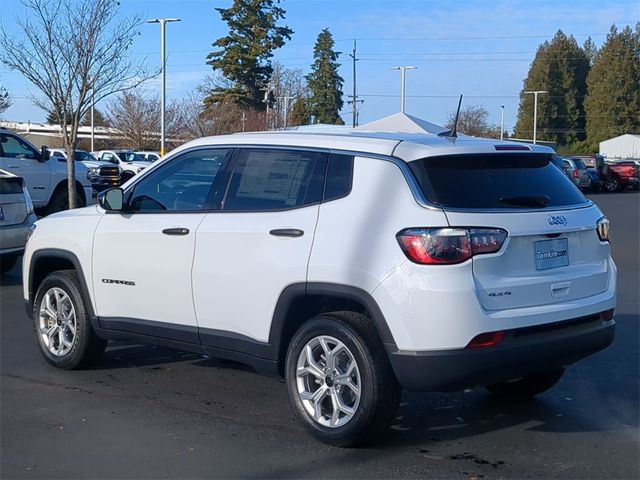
{"x":481,"y":49}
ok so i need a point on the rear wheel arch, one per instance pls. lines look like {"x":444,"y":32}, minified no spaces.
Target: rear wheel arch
{"x":300,"y":302}
{"x":61,"y":188}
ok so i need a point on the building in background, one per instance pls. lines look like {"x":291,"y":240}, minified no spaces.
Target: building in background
{"x":41,"y":134}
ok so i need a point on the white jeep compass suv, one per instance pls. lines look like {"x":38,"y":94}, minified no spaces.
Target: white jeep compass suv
{"x":352,"y":264}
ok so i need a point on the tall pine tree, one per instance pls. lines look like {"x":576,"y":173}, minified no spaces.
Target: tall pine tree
{"x":613,"y":104}
{"x":560,"y":67}
{"x":243,"y":56}
{"x":325,"y":84}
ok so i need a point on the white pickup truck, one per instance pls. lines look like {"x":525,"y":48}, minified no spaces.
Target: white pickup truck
{"x":46,"y":179}
{"x":130,"y":163}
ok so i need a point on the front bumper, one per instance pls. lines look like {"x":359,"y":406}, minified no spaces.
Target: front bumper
{"x":102,"y":183}
{"x":524,"y":351}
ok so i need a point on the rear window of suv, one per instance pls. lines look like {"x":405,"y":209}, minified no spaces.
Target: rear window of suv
{"x":495,"y":181}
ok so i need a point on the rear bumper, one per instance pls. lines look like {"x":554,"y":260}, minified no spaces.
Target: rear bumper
{"x":523,"y":351}
{"x":14,"y":237}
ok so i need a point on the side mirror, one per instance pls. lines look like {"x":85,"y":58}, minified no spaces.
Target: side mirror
{"x":45,"y":154}
{"x":112,"y":199}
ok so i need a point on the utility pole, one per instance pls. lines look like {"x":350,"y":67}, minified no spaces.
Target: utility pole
{"x":501,"y":122}
{"x":354,"y":97}
{"x":267,"y":100}
{"x":286,"y":99}
{"x":402,"y":84}
{"x":535,"y":111}
{"x":243,"y":119}
{"x":163,"y":68}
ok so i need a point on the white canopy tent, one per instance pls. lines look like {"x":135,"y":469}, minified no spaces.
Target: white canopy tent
{"x":402,"y":122}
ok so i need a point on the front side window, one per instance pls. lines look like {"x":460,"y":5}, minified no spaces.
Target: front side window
{"x":13,"y":147}
{"x":270,"y":179}
{"x":184,"y":184}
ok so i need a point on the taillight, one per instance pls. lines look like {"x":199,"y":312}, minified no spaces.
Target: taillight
{"x":448,"y":246}
{"x":576,"y":174}
{"x":607,"y":315}
{"x":602,"y":227}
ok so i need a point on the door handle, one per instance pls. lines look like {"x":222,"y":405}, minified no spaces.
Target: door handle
{"x":176,"y":231}
{"x":286,"y":232}
{"x":13,"y":166}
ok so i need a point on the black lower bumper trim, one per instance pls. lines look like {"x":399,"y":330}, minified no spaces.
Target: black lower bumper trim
{"x":518,"y":355}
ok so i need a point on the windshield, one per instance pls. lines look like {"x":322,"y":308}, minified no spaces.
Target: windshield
{"x":129,"y":157}
{"x":495,"y":181}
{"x":579,"y":163}
{"x":84,"y":156}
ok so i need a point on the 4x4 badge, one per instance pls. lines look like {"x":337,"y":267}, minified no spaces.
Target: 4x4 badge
{"x":557,"y":220}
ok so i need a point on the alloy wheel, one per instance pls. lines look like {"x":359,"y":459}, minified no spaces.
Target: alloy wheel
{"x":57,"y":321}
{"x":328,"y":381}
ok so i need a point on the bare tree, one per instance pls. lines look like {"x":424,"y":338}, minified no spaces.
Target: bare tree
{"x":137,"y":116}
{"x":289,"y":83}
{"x":74,"y":52}
{"x":474,"y":120}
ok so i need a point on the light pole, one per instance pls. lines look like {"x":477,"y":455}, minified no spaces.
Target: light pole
{"x":163,"y":65}
{"x":93,"y":100}
{"x":501,"y":122}
{"x":535,"y":111}
{"x":402,"y":83}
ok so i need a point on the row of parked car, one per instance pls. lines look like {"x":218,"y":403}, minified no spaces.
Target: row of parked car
{"x":34,"y":181}
{"x":594,"y":174}
{"x":109,"y":168}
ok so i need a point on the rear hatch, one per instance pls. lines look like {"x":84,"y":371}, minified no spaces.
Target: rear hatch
{"x":13,"y":208}
{"x":552,"y":252}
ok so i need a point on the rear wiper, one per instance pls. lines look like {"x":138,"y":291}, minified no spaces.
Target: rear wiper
{"x":527,"y":201}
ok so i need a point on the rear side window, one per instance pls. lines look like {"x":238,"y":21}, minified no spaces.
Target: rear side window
{"x":495,"y":181}
{"x":266,"y":179}
{"x":10,"y":185}
{"x":339,"y":177}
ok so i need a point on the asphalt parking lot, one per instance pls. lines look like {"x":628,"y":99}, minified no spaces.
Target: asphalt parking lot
{"x":151,"y":412}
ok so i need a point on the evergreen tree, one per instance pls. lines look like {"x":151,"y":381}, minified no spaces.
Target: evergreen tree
{"x":325,"y":84}
{"x":5,"y":99}
{"x":99,"y":120}
{"x":243,"y":56}
{"x":560,"y":67}
{"x":613,"y":103}
{"x":590,"y":49}
{"x":300,"y":112}
{"x":54,"y":117}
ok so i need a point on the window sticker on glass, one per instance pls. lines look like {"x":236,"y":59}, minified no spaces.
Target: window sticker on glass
{"x":270,"y":178}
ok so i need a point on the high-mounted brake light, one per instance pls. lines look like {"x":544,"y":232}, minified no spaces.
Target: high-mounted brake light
{"x":448,"y":246}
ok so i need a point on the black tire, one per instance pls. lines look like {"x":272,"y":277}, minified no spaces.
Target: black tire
{"x":87,"y":348}
{"x":611,"y":185}
{"x":60,"y":200}
{"x":7,"y":262}
{"x":379,"y":389}
{"x":526,"y":387}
